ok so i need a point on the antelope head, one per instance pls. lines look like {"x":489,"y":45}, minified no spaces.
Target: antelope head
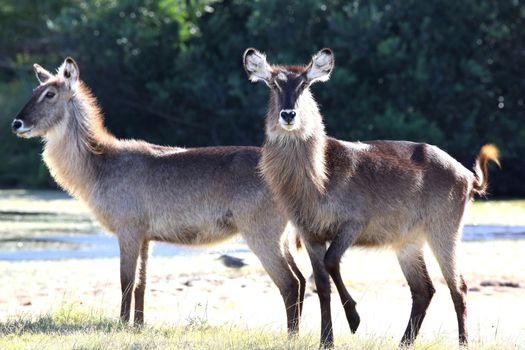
{"x":47,"y":107}
{"x":291,"y":103}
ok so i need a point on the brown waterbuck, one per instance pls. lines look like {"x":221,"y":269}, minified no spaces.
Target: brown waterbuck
{"x":144,"y":192}
{"x":369,"y":194}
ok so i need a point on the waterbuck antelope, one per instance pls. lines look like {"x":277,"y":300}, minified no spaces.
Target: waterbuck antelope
{"x":378,"y":193}
{"x":144,"y":192}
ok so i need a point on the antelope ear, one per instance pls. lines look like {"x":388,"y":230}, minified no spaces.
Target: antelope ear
{"x":256,"y":66}
{"x":321,"y":66}
{"x":69,"y":72}
{"x":41,"y":74}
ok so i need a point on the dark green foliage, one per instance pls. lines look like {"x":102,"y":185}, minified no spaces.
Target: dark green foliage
{"x":443,"y":72}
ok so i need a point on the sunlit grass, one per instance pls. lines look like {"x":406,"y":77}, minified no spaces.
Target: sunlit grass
{"x":497,"y":212}
{"x":70,"y":328}
{"x":42,"y":201}
{"x":36,"y":213}
{"x":30,"y":219}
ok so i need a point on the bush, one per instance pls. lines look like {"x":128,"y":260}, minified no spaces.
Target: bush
{"x":443,"y":72}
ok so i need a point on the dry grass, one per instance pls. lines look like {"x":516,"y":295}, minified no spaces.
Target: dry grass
{"x":70,"y":328}
{"x":497,"y":212}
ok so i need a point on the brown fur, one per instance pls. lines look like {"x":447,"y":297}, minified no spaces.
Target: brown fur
{"x":371,"y":194}
{"x":144,"y":192}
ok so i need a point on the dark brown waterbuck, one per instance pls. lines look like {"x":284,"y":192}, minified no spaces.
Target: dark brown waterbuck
{"x":144,"y":192}
{"x":369,"y":194}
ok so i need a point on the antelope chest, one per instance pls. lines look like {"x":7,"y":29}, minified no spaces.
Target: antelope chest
{"x":319,"y":223}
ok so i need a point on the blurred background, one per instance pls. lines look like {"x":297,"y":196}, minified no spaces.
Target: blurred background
{"x":445,"y":72}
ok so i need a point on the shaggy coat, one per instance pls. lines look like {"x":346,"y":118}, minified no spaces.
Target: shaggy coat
{"x":144,"y":192}
{"x":370,"y":194}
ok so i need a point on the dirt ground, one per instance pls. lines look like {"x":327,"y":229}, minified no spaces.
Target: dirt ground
{"x":200,"y":288}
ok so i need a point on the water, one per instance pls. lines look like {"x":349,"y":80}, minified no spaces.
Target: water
{"x":106,"y":246}
{"x":490,"y":232}
{"x":49,"y":225}
{"x":102,"y":245}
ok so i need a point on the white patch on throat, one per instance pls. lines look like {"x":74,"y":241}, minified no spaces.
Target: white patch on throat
{"x":57,"y":133}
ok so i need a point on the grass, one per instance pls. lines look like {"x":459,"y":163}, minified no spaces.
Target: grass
{"x":31,"y":220}
{"x":46,"y":201}
{"x":497,"y":212}
{"x":74,"y":329}
{"x":70,"y":328}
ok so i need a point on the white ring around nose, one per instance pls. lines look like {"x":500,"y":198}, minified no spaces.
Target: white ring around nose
{"x":19,"y":121}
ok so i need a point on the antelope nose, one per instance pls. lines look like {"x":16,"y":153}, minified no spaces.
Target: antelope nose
{"x":16,"y":124}
{"x":287,"y":115}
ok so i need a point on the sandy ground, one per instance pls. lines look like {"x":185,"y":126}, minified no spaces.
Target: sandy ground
{"x":200,"y":288}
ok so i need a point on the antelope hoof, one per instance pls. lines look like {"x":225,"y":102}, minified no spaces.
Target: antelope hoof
{"x":327,"y":340}
{"x":327,"y":344}
{"x":354,"y":320}
{"x":406,"y":342}
{"x":463,"y":342}
{"x":138,"y":323}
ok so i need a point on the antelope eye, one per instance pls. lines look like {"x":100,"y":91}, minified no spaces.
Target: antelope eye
{"x":50,"y":94}
{"x":302,"y":86}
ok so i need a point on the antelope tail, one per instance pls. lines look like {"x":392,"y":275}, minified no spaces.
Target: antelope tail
{"x":488,"y":152}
